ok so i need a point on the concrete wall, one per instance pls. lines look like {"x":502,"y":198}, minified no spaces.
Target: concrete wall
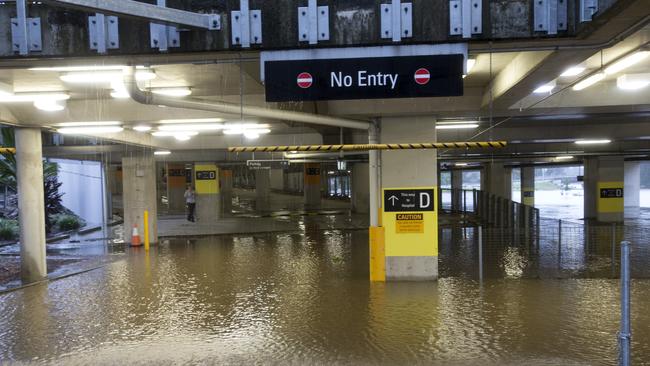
{"x":360,"y":188}
{"x":277,"y":179}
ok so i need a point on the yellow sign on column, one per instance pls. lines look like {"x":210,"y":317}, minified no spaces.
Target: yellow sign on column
{"x":410,"y":221}
{"x":610,"y":197}
{"x":206,"y":177}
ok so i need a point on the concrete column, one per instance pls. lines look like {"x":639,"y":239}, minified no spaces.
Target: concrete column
{"x":208,"y":198}
{"x":263,"y":190}
{"x":632,"y":192}
{"x":605,"y":178}
{"x":31,"y":203}
{"x":277,"y":179}
{"x":407,"y":257}
{"x":495,"y":179}
{"x":360,"y":193}
{"x":139,"y":194}
{"x":528,"y":185}
{"x":108,"y":192}
{"x":176,"y":185}
{"x":226,"y":191}
{"x":457,"y":187}
{"x":312,"y":186}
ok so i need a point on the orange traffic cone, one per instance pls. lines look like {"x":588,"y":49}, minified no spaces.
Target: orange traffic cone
{"x":135,"y":237}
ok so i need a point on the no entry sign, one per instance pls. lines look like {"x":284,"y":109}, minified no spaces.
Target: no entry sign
{"x":364,"y":78}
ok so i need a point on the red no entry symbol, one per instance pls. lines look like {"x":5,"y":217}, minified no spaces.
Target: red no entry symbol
{"x":422,"y":76}
{"x":305,"y":80}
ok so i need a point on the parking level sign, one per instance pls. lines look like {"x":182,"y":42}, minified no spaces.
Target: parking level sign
{"x":409,"y":200}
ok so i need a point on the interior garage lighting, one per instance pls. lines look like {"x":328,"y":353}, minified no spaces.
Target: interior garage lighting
{"x":545,"y":88}
{"x":633,"y":81}
{"x":627,"y":62}
{"x":593,"y":79}
{"x":32,"y":97}
{"x":89,"y":130}
{"x":456,"y":126}
{"x":84,"y":68}
{"x":49,"y":105}
{"x":593,"y":142}
{"x":142,"y":128}
{"x":182,"y":137}
{"x":461,"y":164}
{"x":194,"y":127}
{"x":565,"y":157}
{"x":172,"y":92}
{"x":89,"y":124}
{"x":90,"y":77}
{"x":162,"y":152}
{"x":194,"y":120}
{"x":174,"y":133}
{"x":573,"y":71}
{"x":248,"y":133}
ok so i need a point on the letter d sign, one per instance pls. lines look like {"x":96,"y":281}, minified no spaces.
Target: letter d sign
{"x":425,"y":200}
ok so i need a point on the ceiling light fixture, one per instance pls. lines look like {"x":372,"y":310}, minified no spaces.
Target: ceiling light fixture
{"x":191,"y":120}
{"x":565,"y":157}
{"x":32,"y":97}
{"x":456,"y":126}
{"x":162,"y":152}
{"x":89,"y":130}
{"x":461,"y":164}
{"x":172,"y":92}
{"x":84,"y":68}
{"x":49,"y":105}
{"x":174,"y":133}
{"x":633,"y":81}
{"x":626,"y":62}
{"x":182,"y":137}
{"x":573,"y":71}
{"x":89,"y":124}
{"x":547,"y":88}
{"x":593,"y":142}
{"x":593,"y":79}
{"x":96,"y":77}
{"x":192,"y":127}
{"x":142,"y":128}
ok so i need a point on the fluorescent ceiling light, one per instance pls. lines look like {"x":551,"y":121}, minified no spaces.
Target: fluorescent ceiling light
{"x":190,"y":127}
{"x":89,"y":130}
{"x":48,"y":105}
{"x":627,"y":62}
{"x":462,"y":164}
{"x":593,"y":79}
{"x":84,"y":68}
{"x":593,"y":142}
{"x":119,"y":90}
{"x":182,"y":137}
{"x":545,"y":88}
{"x":32,"y":97}
{"x":254,"y":134}
{"x":243,"y":126}
{"x":565,"y":157}
{"x":174,"y":133}
{"x":456,"y":126}
{"x":93,"y":77}
{"x":172,"y":92}
{"x":89,"y":124}
{"x":163,"y":152}
{"x":194,"y":120}
{"x":633,"y":81}
{"x":142,"y":128}
{"x":573,"y":71}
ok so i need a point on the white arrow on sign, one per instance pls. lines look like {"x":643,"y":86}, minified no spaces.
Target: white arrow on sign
{"x":392,"y":200}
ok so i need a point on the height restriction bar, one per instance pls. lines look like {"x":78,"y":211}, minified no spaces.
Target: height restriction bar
{"x":365,"y":147}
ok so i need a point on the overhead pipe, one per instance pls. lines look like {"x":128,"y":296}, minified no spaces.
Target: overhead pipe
{"x":145,"y":97}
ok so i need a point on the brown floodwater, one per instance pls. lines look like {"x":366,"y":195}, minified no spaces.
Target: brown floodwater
{"x":305,"y":298}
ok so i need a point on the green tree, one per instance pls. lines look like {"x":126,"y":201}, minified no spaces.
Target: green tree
{"x":51,"y":183}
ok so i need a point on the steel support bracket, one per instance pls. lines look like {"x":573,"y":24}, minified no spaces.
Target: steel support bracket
{"x":25,"y":32}
{"x":587,"y":9}
{"x":396,"y":20}
{"x":313,"y":23}
{"x":246,"y":26}
{"x":465,"y":17}
{"x":550,"y":16}
{"x":103,"y":33}
{"x":163,"y":37}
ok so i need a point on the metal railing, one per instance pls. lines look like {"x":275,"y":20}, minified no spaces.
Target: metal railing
{"x":488,"y":208}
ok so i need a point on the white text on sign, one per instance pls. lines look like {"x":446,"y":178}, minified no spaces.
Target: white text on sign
{"x":363,"y":79}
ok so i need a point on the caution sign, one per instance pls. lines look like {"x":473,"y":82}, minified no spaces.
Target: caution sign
{"x":409,"y":223}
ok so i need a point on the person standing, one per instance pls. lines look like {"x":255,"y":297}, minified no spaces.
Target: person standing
{"x":190,"y":200}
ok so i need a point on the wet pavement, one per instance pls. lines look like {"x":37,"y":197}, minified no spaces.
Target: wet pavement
{"x":304,"y":298}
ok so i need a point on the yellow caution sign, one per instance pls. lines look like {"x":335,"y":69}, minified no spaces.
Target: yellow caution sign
{"x":206,"y":178}
{"x":410,"y":221}
{"x":610,"y":197}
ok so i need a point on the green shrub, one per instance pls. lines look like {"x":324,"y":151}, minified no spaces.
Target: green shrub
{"x":8,"y":229}
{"x":67,"y":222}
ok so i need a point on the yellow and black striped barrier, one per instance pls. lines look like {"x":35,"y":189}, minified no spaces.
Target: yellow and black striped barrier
{"x":365,"y":147}
{"x":7,"y":150}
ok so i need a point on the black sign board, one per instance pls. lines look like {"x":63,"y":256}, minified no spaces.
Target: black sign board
{"x":364,"y":78}
{"x":611,"y":193}
{"x":267,"y":164}
{"x":580,"y":178}
{"x":529,"y":194}
{"x":206,"y":175}
{"x":313,"y":171}
{"x":409,"y":200}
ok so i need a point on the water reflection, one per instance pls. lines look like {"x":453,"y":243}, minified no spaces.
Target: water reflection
{"x":304,"y":298}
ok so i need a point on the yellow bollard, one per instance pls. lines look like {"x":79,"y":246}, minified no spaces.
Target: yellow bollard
{"x":377,"y":255}
{"x":146,"y":230}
